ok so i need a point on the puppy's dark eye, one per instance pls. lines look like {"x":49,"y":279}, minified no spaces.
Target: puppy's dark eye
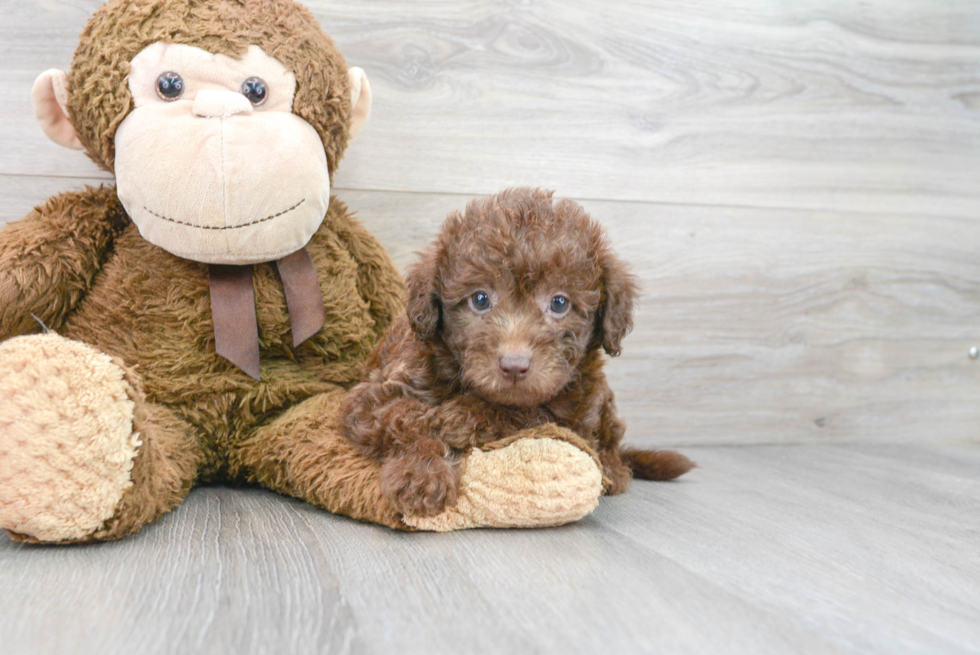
{"x":254,"y":89}
{"x":559,"y":305}
{"x":170,"y":86}
{"x":480,"y":301}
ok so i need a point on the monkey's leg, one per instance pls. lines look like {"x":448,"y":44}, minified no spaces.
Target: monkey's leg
{"x":83,"y":456}
{"x":302,"y":453}
{"x":539,"y":477}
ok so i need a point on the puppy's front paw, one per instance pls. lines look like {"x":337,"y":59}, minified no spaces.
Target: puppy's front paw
{"x":420,"y":485}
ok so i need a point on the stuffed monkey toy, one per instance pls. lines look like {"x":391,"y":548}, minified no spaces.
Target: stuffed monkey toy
{"x":203,"y":319}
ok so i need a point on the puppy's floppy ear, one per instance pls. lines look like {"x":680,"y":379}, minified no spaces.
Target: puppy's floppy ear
{"x":619,"y":292}
{"x":424,"y":308}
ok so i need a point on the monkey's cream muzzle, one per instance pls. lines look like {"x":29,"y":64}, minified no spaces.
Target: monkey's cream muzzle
{"x":211,"y":178}
{"x":236,"y":189}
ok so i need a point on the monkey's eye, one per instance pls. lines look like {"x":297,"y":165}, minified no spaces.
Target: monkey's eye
{"x":480,"y":301}
{"x":254,"y":89}
{"x":170,"y":86}
{"x":559,"y":305}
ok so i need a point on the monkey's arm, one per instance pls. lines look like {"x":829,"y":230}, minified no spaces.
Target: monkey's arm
{"x":49,"y":259}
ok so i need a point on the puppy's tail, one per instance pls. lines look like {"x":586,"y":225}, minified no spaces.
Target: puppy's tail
{"x":656,"y":464}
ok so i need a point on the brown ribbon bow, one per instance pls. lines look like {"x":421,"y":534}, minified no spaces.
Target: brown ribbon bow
{"x":236,"y":330}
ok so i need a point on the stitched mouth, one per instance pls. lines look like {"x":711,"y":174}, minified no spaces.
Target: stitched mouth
{"x":226,"y":227}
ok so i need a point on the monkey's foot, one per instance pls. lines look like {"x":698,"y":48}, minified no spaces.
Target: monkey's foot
{"x":540,"y":477}
{"x":66,"y":437}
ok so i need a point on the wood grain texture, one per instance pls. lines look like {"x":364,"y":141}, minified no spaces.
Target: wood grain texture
{"x":820,"y":104}
{"x":802,"y":549}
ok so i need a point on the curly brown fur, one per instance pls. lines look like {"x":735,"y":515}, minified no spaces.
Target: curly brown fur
{"x":656,"y":464}
{"x":452,"y":375}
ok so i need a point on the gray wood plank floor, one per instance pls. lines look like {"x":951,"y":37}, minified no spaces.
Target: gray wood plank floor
{"x":765,"y":549}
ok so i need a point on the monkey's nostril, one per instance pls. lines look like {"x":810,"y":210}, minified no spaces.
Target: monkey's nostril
{"x":514,"y":367}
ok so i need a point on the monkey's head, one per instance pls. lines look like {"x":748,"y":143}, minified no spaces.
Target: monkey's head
{"x":222,"y":120}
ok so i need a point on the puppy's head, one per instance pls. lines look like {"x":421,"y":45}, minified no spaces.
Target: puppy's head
{"x":519,"y":289}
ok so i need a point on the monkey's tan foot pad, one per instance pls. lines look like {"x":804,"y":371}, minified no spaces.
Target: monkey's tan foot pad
{"x":532,"y":481}
{"x":66,"y":437}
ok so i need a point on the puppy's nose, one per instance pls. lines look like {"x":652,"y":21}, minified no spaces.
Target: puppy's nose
{"x":514,"y":367}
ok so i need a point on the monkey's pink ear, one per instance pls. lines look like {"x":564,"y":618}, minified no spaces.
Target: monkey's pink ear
{"x":424,"y":308}
{"x":360,"y":100}
{"x":50,"y":99}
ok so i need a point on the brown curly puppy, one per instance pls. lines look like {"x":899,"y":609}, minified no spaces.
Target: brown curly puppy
{"x":508,"y":312}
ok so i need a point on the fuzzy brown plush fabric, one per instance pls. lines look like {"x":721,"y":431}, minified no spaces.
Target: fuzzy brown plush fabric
{"x":508,"y":313}
{"x":78,"y":264}
{"x":199,"y":417}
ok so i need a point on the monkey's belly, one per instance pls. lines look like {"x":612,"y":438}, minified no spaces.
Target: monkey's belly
{"x":152,"y":310}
